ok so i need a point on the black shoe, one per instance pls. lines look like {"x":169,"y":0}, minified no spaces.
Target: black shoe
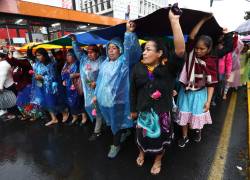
{"x":183,"y":141}
{"x":10,"y":117}
{"x":72,"y":123}
{"x":94,"y":136}
{"x":81,"y":124}
{"x":197,"y":137}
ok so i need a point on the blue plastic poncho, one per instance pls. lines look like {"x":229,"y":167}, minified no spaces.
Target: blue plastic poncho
{"x":88,"y":71}
{"x":44,"y":93}
{"x":73,"y":99}
{"x":112,"y":90}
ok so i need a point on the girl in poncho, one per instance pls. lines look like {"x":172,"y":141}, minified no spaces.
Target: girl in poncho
{"x":198,"y":78}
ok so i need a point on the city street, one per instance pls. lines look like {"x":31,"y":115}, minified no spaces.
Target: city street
{"x":33,"y":151}
{"x":64,"y":62}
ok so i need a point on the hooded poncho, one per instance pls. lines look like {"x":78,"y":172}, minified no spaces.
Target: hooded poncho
{"x":89,"y":70}
{"x":112,"y":90}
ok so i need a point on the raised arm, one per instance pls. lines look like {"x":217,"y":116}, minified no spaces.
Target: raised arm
{"x":198,"y":26}
{"x":24,"y":64}
{"x":30,"y":54}
{"x":132,"y":49}
{"x":78,"y":52}
{"x":179,"y":42}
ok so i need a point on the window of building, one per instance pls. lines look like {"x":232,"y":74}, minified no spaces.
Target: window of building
{"x":86,"y":7}
{"x":145,"y":8}
{"x":149,"y":8}
{"x":141,"y":6}
{"x":96,"y":6}
{"x":108,"y":4}
{"x":102,"y":5}
{"x":91,"y":6}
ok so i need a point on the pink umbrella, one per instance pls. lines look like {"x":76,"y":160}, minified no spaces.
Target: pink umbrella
{"x":246,"y":38}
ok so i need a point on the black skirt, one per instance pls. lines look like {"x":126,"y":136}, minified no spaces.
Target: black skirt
{"x":158,"y":144}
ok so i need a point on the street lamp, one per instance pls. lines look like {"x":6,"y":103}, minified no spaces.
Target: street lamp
{"x":211,"y":2}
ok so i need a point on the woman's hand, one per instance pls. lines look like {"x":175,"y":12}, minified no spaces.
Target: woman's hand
{"x":130,"y":26}
{"x":64,"y":83}
{"x":10,"y":55}
{"x":12,"y":48}
{"x":94,"y":100}
{"x":72,"y":37}
{"x":175,"y":93}
{"x":172,"y":16}
{"x":206,"y":107}
{"x":225,"y":31}
{"x":92,"y":85}
{"x":134,"y":115}
{"x":164,"y":61}
{"x":39,"y":77}
{"x":74,"y":75}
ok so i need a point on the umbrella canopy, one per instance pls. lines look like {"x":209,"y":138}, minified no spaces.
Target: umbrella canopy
{"x":246,"y":38}
{"x":153,"y":25}
{"x":244,"y":27}
{"x":41,"y":45}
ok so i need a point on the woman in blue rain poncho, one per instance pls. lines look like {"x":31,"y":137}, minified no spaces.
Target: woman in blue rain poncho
{"x":112,"y":87}
{"x":74,"y":100}
{"x":89,"y":69}
{"x":44,"y":85}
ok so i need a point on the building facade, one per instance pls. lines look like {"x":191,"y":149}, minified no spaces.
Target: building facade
{"x":123,"y":9}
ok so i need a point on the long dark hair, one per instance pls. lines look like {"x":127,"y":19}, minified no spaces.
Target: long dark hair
{"x":45,"y":54}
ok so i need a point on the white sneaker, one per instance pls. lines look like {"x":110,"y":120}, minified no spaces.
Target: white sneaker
{"x":2,"y":112}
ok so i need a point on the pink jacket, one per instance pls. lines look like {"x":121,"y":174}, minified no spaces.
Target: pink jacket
{"x":225,"y":64}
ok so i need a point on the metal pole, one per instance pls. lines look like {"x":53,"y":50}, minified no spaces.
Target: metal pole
{"x":73,"y":4}
{"x":29,"y":32}
{"x":211,"y":3}
{"x":8,"y":34}
{"x":47,"y":28}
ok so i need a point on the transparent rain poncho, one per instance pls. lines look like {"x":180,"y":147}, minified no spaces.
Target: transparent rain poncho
{"x":112,"y":90}
{"x":44,"y":93}
{"x":88,"y":71}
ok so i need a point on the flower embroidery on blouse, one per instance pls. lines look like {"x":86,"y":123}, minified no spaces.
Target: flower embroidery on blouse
{"x":156,"y":95}
{"x":88,"y":67}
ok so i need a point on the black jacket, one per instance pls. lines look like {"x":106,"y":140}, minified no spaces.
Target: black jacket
{"x":141,"y":87}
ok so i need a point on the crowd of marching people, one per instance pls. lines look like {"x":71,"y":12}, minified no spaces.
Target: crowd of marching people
{"x":148,"y":87}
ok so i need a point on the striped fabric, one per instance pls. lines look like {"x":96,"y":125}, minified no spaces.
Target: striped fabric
{"x":198,"y":73}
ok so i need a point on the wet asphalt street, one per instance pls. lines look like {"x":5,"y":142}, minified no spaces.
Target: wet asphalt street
{"x":31,"y":151}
